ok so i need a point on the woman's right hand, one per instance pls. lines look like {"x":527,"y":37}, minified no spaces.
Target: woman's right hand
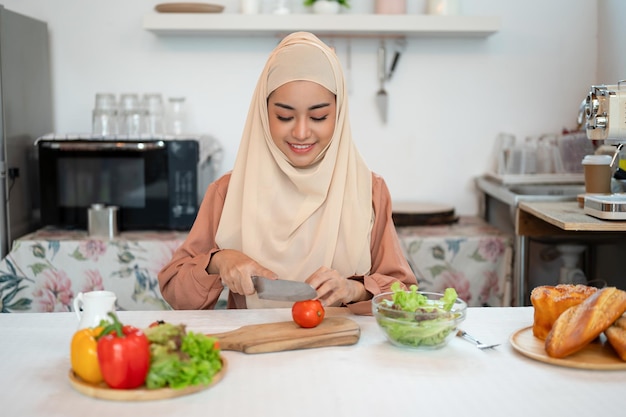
{"x":236,"y":270}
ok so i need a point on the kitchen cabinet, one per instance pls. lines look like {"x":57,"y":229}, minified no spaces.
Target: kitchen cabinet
{"x":566,"y":222}
{"x":345,"y":25}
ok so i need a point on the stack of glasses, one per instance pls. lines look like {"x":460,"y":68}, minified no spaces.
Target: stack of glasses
{"x":546,"y":154}
{"x":135,"y":117}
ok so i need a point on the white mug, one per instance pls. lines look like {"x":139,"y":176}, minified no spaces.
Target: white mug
{"x":93,"y":306}
{"x":250,"y":6}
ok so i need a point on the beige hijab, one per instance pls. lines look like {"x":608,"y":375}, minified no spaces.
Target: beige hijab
{"x":295,"y":220}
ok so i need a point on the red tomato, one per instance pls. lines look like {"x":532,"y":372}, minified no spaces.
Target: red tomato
{"x":309,"y":313}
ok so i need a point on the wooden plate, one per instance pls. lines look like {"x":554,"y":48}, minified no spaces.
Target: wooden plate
{"x":102,"y":391}
{"x":597,"y":355}
{"x":188,"y":8}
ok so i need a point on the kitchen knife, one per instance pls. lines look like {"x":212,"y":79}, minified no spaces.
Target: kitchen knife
{"x":283,"y":290}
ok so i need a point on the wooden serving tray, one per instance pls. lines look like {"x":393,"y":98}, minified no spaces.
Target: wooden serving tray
{"x":597,"y":355}
{"x":102,"y":391}
{"x":188,"y":8}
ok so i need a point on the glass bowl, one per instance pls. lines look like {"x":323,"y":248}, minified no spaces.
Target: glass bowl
{"x":427,"y":328}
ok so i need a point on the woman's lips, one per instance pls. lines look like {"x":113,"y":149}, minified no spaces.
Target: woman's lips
{"x":301,"y":148}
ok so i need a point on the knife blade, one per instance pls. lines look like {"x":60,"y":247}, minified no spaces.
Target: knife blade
{"x":283,"y":290}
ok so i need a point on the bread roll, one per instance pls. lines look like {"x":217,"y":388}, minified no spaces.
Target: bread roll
{"x":581,"y":324}
{"x":550,"y":301}
{"x":616,"y":336}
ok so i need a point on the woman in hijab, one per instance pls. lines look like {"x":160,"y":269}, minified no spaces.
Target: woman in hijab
{"x":300,"y":203}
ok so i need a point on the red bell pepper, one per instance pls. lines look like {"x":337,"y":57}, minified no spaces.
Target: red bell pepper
{"x":123,"y":355}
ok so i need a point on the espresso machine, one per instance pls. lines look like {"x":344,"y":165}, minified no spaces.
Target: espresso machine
{"x":605,"y":112}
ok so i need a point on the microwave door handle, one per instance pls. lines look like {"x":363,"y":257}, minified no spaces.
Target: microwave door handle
{"x":99,"y":146}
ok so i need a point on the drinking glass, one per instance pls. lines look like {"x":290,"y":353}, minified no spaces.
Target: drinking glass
{"x":176,"y":116}
{"x":153,"y":103}
{"x":132,"y":115}
{"x":104,"y":116}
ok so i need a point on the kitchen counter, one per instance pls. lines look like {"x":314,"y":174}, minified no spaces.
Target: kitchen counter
{"x":501,"y":199}
{"x":539,"y":218}
{"x":370,"y":378}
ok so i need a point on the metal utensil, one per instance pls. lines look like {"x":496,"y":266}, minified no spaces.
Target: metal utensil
{"x":283,"y":290}
{"x":381,"y":95}
{"x":394,"y":64}
{"x":400,"y":46}
{"x":463,"y":334}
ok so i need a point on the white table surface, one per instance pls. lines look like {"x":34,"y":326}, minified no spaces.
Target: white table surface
{"x":371,"y":378}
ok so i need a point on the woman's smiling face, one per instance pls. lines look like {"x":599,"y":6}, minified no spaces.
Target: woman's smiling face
{"x":302,"y":120}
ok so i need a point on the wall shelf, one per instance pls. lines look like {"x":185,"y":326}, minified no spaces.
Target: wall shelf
{"x":346,"y":25}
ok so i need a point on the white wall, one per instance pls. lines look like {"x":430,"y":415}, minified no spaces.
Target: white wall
{"x":449,"y":98}
{"x":611,"y":50}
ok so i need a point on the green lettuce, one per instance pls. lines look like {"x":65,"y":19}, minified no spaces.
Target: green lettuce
{"x":179,"y":359}
{"x":413,"y":301}
{"x":431,"y":324}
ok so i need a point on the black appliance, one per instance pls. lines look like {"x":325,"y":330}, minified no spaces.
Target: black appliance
{"x":153,"y":182}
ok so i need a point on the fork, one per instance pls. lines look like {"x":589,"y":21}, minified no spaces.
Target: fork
{"x":479,"y":345}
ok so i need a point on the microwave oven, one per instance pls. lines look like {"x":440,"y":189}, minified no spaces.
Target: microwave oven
{"x":152,"y":182}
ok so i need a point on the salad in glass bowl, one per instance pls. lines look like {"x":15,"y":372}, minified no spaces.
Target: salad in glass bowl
{"x":417,"y":319}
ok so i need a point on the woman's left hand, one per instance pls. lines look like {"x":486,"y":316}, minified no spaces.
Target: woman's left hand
{"x":334,"y":289}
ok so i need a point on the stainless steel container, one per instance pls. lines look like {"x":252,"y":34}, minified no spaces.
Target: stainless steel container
{"x":102,"y":221}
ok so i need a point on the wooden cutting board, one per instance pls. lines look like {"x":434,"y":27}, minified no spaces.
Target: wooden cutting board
{"x":281,"y":336}
{"x":422,"y":214}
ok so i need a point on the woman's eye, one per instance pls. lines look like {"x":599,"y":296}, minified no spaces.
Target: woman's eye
{"x":290,"y":118}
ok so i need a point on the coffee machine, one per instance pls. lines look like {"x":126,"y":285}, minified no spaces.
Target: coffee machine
{"x":605,"y":112}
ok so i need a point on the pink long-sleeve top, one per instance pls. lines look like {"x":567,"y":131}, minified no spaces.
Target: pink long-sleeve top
{"x":186,"y":285}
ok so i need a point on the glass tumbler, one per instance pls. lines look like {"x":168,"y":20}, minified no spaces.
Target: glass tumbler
{"x":132,"y":115}
{"x":153,"y":103}
{"x":176,"y":116}
{"x":104,"y":115}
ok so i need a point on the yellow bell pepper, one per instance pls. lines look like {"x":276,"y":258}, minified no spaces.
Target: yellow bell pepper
{"x":84,"y":354}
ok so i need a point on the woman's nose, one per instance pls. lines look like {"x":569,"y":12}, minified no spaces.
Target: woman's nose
{"x":301,"y":129}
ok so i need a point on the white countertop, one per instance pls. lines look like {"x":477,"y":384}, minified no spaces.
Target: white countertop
{"x":371,"y":378}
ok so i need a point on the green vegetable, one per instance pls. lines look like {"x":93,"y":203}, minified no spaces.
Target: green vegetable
{"x":413,"y":301}
{"x":431,"y":324}
{"x":179,"y":359}
{"x":342,"y":2}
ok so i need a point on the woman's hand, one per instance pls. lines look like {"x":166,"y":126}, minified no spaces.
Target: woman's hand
{"x":334,"y":290}
{"x":236,"y":269}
